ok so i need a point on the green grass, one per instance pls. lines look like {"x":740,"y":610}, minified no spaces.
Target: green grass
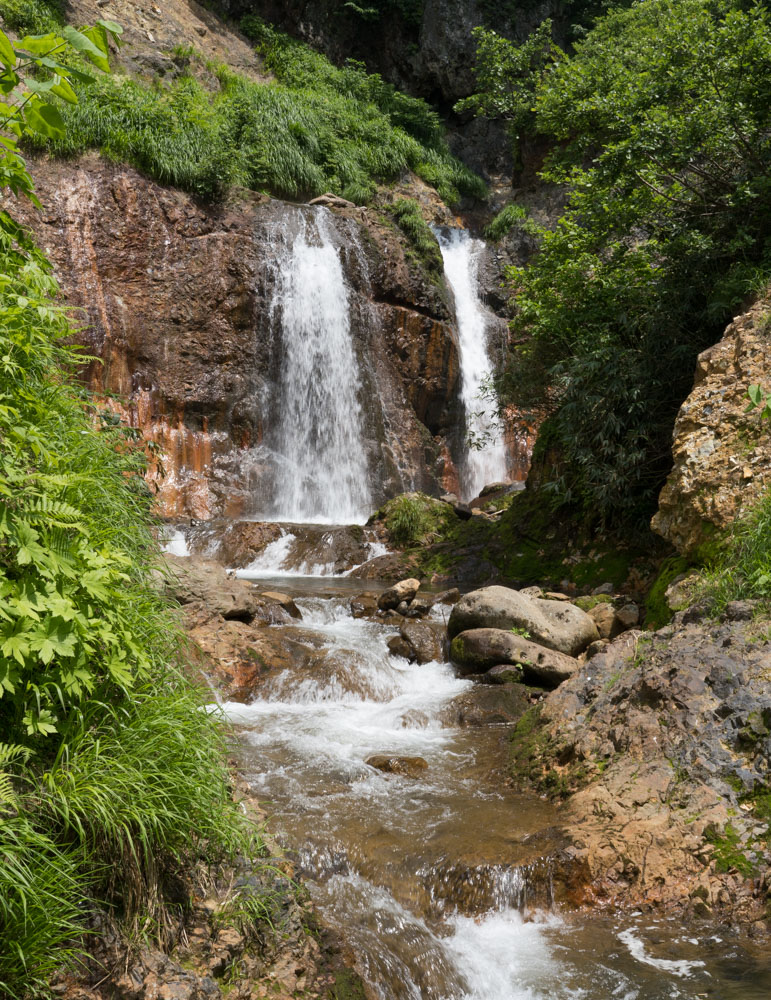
{"x":421,"y":241}
{"x":413,"y":519}
{"x":510,"y":217}
{"x":741,"y":565}
{"x":317,"y":129}
{"x":32,"y":17}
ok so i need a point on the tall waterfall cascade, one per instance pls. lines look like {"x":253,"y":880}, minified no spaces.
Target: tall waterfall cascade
{"x":318,"y":449}
{"x":485,"y":458}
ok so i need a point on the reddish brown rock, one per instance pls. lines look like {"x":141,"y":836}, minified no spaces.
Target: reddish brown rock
{"x":176,"y":299}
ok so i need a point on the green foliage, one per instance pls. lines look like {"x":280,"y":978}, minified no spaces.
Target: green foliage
{"x":741,"y":568}
{"x":410,"y":11}
{"x":31,"y":76}
{"x":32,"y":17}
{"x":758,"y":400}
{"x":421,"y":240}
{"x":413,"y":519}
{"x":510,"y":217}
{"x":508,"y":74}
{"x":319,"y":129}
{"x":661,"y":119}
{"x":728,"y":853}
{"x":112,"y":778}
{"x":657,"y":611}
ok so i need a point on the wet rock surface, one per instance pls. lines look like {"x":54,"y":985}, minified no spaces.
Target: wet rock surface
{"x":662,"y":743}
{"x":389,"y":764}
{"x":206,"y":583}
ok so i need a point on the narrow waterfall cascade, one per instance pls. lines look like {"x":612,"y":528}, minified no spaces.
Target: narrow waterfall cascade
{"x":440,"y":881}
{"x":485,"y":459}
{"x":317,"y":444}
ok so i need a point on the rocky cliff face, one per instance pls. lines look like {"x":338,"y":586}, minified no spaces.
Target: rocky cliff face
{"x":176,"y":301}
{"x":722,"y":454}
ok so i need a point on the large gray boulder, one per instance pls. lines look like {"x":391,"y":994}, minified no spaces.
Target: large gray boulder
{"x":557,"y":625}
{"x":477,"y":650}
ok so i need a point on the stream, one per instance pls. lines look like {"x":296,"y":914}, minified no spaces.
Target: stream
{"x":439,"y":884}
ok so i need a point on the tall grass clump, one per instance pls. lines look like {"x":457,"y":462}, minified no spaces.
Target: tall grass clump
{"x":742,"y":568}
{"x":113,"y":780}
{"x":423,"y":244}
{"x":413,"y":518}
{"x":318,"y":129}
{"x":510,"y":217}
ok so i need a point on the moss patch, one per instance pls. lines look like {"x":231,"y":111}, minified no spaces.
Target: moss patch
{"x":657,"y":611}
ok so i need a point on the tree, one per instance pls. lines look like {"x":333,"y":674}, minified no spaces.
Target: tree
{"x":661,"y":121}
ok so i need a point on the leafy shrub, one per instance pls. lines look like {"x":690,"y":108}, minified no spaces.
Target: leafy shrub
{"x":510,"y":217}
{"x":107,"y":758}
{"x":742,"y":567}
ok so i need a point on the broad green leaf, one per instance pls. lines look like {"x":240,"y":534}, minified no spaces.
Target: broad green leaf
{"x":39,"y":86}
{"x":83,"y":42}
{"x":112,"y":26}
{"x":7,"y":55}
{"x":45,"y":119}
{"x":64,"y":90}
{"x":39,"y":45}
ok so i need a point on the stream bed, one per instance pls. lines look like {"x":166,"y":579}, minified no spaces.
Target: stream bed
{"x":439,"y":884}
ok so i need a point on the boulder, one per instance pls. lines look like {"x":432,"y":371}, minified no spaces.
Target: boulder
{"x":721,"y":451}
{"x":398,"y":646}
{"x":363,"y":606}
{"x":410,"y":767}
{"x":478,"y":650}
{"x":447,"y":597}
{"x":504,"y":673}
{"x":493,"y":488}
{"x":555,"y":624}
{"x":286,"y":602}
{"x":627,"y":617}
{"x":419,"y":607}
{"x":488,"y":705}
{"x":604,"y":618}
{"x":423,"y":640}
{"x":404,"y":590}
{"x":192,"y":580}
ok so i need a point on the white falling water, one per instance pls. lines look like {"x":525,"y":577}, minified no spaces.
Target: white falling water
{"x":321,"y":462}
{"x":485,"y":460}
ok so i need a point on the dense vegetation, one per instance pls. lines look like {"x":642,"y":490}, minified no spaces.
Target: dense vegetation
{"x":113,"y":781}
{"x":319,"y":128}
{"x":660,"y":120}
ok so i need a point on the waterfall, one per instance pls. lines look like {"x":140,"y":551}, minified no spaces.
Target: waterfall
{"x":485,"y":459}
{"x":318,"y":450}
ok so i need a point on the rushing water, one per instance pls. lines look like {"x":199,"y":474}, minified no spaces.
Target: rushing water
{"x":485,"y":460}
{"x":435,"y":882}
{"x":317,"y":444}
